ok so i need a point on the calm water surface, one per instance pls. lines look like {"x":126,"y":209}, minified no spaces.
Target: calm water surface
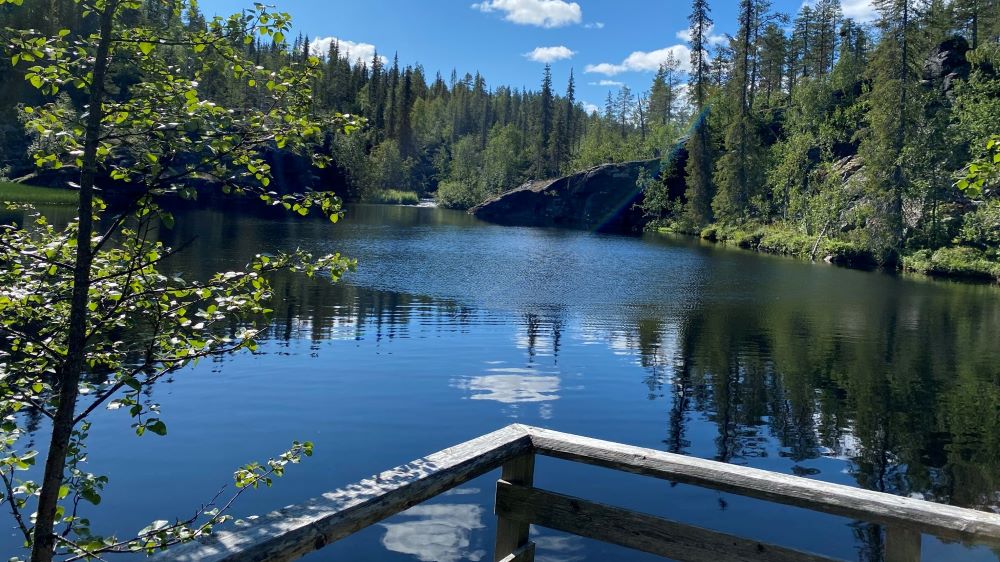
{"x":452,"y":328}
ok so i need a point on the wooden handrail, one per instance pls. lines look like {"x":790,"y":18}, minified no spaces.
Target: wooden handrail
{"x":634,"y":530}
{"x":297,"y":530}
{"x":926,"y":517}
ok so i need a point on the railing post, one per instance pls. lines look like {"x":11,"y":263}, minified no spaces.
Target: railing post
{"x":901,"y":544}
{"x":512,"y":542}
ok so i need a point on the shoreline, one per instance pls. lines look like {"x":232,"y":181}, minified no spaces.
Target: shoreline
{"x":954,"y":263}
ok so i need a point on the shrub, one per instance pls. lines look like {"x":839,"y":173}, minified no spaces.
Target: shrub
{"x":982,"y":226}
{"x":394,"y":197}
{"x":958,"y":261}
{"x":458,"y":195}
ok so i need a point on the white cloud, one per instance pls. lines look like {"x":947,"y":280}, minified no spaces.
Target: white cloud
{"x":860,"y":10}
{"x":607,"y":83}
{"x":550,"y":54}
{"x":543,"y":13}
{"x":589,"y":107}
{"x":643,"y":61}
{"x":712,"y":38}
{"x":594,"y":25}
{"x":353,"y":51}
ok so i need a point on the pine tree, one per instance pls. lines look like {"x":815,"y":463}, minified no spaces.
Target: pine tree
{"x":774,"y":54}
{"x":376,"y":99}
{"x":738,"y":174}
{"x":698,"y":171}
{"x":890,"y":118}
{"x":663,"y":95}
{"x":700,"y":24}
{"x":543,"y":163}
{"x":623,"y":109}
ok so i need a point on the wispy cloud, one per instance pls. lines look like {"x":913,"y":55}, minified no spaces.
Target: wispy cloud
{"x":353,"y":51}
{"x":710,"y":38}
{"x":550,"y":54}
{"x":589,"y":107}
{"x":594,"y":25}
{"x":613,"y":83}
{"x":644,"y":61}
{"x":542,"y":13}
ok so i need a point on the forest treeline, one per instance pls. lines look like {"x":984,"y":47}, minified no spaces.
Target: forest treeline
{"x":818,"y":136}
{"x":808,"y":134}
{"x":458,"y":137}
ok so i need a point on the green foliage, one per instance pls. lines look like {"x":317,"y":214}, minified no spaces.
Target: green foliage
{"x":457,"y":195}
{"x":959,"y":261}
{"x":394,"y":197}
{"x":21,"y":193}
{"x":982,"y":226}
{"x":982,"y":176}
{"x":87,"y":317}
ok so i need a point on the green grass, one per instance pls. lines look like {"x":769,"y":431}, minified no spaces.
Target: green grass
{"x":394,"y":197}
{"x":956,"y":261}
{"x":23,"y":193}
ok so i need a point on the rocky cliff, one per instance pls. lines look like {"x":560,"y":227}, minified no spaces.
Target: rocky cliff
{"x":604,"y":198}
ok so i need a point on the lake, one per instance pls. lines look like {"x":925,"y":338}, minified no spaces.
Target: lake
{"x":452,"y":328}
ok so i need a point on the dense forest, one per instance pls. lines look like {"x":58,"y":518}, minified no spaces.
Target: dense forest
{"x":845,"y":140}
{"x":458,"y":137}
{"x":807,"y":134}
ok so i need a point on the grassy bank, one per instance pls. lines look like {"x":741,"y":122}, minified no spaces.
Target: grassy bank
{"x":393,"y":197}
{"x":960,"y":262}
{"x":22,"y":193}
{"x":955,"y":262}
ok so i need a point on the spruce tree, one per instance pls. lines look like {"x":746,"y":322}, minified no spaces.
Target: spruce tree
{"x":698,"y":171}
{"x":893,"y":77}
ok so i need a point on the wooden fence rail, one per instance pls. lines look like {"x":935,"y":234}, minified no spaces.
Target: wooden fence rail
{"x":297,"y":530}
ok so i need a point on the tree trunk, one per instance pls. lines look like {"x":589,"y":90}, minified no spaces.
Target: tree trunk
{"x":69,"y":374}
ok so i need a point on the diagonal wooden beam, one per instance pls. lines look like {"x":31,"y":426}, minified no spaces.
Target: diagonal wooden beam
{"x":295,"y":531}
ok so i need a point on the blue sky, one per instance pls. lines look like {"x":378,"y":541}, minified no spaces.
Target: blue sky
{"x":606,"y":42}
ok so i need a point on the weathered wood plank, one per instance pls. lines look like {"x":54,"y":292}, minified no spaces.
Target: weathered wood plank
{"x":636,"y":530}
{"x":524,"y":554}
{"x":922,"y":516}
{"x":298,"y":530}
{"x":902,"y":545}
{"x":513,"y":534}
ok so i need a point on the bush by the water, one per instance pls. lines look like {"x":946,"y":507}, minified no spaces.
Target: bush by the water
{"x":22,"y":193}
{"x":458,"y":195}
{"x":958,"y":261}
{"x":394,"y":197}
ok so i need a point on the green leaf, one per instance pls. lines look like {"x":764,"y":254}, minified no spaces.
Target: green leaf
{"x":91,"y":496}
{"x":158,"y":427}
{"x":146,"y":47}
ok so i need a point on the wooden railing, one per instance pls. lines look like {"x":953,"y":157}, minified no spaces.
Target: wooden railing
{"x":297,"y":530}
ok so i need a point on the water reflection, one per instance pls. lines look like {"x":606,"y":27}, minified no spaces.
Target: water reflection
{"x":436,"y":533}
{"x":452,"y":327}
{"x":901,"y":379}
{"x":512,"y":386}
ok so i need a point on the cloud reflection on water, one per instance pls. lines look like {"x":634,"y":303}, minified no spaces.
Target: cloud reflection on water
{"x":439,"y":533}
